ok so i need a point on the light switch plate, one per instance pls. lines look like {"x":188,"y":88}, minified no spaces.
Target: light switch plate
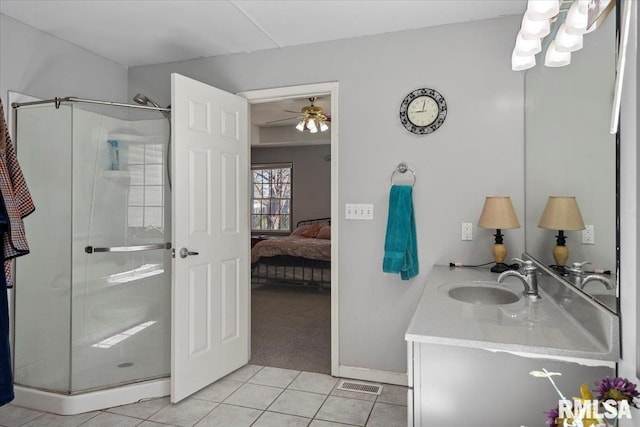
{"x":358,"y":211}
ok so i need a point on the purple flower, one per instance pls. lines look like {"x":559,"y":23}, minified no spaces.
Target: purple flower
{"x":552,"y":416}
{"x":617,"y":389}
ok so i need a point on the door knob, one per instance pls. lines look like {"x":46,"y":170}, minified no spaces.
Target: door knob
{"x":184,"y":252}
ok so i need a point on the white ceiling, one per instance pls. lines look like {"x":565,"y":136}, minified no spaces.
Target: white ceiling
{"x":142,"y":32}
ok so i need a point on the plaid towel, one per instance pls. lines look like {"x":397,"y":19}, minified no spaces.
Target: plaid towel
{"x":17,"y":200}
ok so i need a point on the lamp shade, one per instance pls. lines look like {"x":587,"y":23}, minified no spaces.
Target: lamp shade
{"x":498,"y":213}
{"x":561,"y":213}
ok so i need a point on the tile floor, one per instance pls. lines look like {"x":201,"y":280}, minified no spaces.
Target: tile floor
{"x":251,"y":396}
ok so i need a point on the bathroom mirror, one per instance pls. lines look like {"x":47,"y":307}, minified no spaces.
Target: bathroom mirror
{"x":570,"y":152}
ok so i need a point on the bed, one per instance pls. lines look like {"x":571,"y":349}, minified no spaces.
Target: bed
{"x":302,"y":258}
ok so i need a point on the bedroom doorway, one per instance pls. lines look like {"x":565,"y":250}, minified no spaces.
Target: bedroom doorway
{"x":295,"y":325}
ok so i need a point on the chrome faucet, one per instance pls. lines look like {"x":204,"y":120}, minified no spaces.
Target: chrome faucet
{"x":529,"y":278}
{"x":596,"y":278}
{"x":579,"y":278}
{"x":577,"y":274}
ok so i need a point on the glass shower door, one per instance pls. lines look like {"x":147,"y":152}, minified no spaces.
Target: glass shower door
{"x":86,"y":318}
{"x":121,"y":282}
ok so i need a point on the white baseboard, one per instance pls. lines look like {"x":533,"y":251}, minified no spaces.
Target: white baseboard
{"x":373,"y":375}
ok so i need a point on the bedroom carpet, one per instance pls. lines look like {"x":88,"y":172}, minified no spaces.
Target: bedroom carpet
{"x":291,"y":328}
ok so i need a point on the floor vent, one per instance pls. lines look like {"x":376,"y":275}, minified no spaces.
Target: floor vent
{"x":360,"y":387}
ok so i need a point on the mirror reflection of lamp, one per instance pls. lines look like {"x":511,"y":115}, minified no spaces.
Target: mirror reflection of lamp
{"x":498,"y":213}
{"x":562,"y":214}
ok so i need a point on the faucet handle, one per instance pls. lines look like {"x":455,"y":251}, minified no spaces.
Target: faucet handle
{"x":527,"y":265}
{"x":579,"y":265}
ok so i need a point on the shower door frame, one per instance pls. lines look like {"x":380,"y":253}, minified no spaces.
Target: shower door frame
{"x":15,"y":101}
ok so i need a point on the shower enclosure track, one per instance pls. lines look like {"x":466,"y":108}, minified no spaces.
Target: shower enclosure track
{"x":57,"y":101}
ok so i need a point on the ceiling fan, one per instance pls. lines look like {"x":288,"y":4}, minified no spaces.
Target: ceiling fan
{"x":312,"y":118}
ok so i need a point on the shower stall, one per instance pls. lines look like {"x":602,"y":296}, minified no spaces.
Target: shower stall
{"x":92,"y":302}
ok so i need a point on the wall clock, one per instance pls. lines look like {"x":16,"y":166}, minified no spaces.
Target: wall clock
{"x":423,"y":111}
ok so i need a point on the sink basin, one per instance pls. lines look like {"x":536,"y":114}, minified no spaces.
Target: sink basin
{"x":483,"y":295}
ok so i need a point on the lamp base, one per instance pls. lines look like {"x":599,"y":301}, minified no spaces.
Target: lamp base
{"x":562,"y":270}
{"x":500,"y":267}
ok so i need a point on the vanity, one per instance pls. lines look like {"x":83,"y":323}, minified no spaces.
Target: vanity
{"x":470,"y":353}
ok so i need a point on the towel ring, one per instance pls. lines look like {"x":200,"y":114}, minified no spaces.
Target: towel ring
{"x":403,"y":168}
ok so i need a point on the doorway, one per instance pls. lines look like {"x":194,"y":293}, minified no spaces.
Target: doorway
{"x":328,"y":91}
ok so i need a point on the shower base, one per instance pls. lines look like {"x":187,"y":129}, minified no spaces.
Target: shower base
{"x":64,"y":404}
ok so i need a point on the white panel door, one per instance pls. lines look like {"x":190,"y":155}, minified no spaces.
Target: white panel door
{"x":210,"y":217}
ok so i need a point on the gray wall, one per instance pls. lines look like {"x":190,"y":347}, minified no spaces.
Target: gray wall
{"x":477,"y":152}
{"x":311,"y":178}
{"x":37,"y":64}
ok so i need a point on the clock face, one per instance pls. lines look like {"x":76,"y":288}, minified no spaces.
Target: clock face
{"x":423,"y":111}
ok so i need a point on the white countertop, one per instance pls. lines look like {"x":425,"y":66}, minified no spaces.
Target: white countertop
{"x":538,"y":327}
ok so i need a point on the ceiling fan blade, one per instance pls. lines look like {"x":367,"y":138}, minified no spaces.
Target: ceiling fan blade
{"x":282,"y":120}
{"x":289,"y":111}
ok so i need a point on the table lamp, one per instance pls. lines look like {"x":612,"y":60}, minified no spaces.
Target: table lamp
{"x":561,"y":213}
{"x":498,"y":213}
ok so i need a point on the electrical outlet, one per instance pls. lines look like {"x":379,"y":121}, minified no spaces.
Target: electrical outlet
{"x":588,"y":235}
{"x":467,"y":231}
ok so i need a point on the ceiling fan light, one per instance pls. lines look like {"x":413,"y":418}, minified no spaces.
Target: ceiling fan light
{"x":323,"y":126}
{"x":554,"y":58}
{"x":311,"y":125}
{"x":566,"y":42}
{"x":542,"y":9}
{"x":520,"y":63}
{"x":300,"y":125}
{"x":527,"y":47}
{"x":532,"y":30}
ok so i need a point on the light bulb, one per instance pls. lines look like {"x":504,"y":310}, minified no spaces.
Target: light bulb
{"x":527,"y":47}
{"x":553,"y":58}
{"x":300,"y":125}
{"x":311,"y":125}
{"x":323,"y":126}
{"x":519,"y":63}
{"x":532,"y":30}
{"x":566,"y":42}
{"x":542,"y":9}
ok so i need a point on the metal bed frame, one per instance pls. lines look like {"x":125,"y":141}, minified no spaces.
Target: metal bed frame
{"x":286,"y":270}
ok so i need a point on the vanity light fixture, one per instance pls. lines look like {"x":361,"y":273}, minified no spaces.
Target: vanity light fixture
{"x":498,"y":213}
{"x":582,"y":17}
{"x":566,"y":42}
{"x":561,"y":213}
{"x":556,"y":58}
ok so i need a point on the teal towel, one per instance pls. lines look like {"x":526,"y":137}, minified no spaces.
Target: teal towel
{"x":400,"y":246}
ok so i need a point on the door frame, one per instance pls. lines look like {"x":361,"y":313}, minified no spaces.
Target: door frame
{"x":306,"y":91}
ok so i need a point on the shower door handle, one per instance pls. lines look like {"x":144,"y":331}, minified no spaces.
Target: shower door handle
{"x":138,"y":248}
{"x":184,"y":252}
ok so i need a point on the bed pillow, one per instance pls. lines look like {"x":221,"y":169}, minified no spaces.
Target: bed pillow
{"x":324,"y":233}
{"x":301,"y":229}
{"x":312,"y":231}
